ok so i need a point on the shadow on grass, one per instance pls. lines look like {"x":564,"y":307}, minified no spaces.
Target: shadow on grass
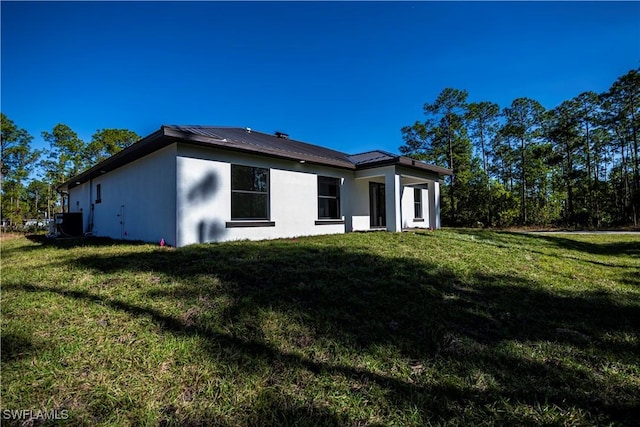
{"x":43,"y":241}
{"x":17,"y":345}
{"x":74,"y":242}
{"x":507,"y":239}
{"x":629,"y":248}
{"x":624,"y":248}
{"x":349,"y":298}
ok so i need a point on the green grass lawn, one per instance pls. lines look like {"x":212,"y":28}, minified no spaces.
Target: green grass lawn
{"x":459,"y":327}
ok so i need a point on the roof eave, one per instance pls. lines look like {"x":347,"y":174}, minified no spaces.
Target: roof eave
{"x":408,"y":162}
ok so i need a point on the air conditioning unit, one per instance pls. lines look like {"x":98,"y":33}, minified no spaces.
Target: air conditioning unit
{"x":68,"y":224}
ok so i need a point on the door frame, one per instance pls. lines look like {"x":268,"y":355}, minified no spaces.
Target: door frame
{"x":377,"y":205}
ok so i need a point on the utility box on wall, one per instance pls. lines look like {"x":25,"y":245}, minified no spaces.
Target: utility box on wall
{"x":69,"y":224}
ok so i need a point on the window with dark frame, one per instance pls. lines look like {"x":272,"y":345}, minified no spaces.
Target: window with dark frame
{"x":328,"y":198}
{"x":99,"y":193}
{"x":417,"y":203}
{"x":249,"y":193}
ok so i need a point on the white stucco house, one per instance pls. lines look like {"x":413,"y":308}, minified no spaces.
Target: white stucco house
{"x":195,"y":184}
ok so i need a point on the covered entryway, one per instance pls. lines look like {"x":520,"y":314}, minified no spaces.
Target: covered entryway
{"x":394,"y":198}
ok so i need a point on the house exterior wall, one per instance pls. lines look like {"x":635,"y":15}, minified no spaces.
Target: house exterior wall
{"x":138,"y":201}
{"x":204,"y":197}
{"x":359,"y":205}
{"x":80,"y":200}
{"x":408,"y":211}
{"x":182,"y":194}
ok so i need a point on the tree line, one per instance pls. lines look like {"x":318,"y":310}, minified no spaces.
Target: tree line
{"x":30,"y":176}
{"x":575,"y":165}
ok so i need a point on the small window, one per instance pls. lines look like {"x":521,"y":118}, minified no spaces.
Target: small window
{"x":417,"y":203}
{"x":249,"y":193}
{"x":328,"y":198}
{"x":99,"y":193}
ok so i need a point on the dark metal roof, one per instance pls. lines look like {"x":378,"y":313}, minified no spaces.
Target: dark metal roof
{"x":376,"y":158}
{"x":372,"y":157}
{"x":248,"y":141}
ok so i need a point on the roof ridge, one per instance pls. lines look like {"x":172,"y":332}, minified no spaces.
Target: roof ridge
{"x":388,"y":153}
{"x":297,"y":141}
{"x":205,"y":126}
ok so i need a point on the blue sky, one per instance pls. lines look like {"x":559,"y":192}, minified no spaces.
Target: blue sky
{"x":346,"y":75}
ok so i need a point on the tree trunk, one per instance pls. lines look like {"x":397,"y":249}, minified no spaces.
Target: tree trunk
{"x":625,"y":177}
{"x":486,"y":172}
{"x":589,"y":184}
{"x":569,"y":174}
{"x":523,"y":197}
{"x":636,"y":165}
{"x":452,"y":198}
{"x":49,"y":202}
{"x":511,"y":178}
{"x":596,"y":185}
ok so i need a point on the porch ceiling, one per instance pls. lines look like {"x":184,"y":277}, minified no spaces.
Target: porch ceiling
{"x":412,"y":180}
{"x":408,"y":177}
